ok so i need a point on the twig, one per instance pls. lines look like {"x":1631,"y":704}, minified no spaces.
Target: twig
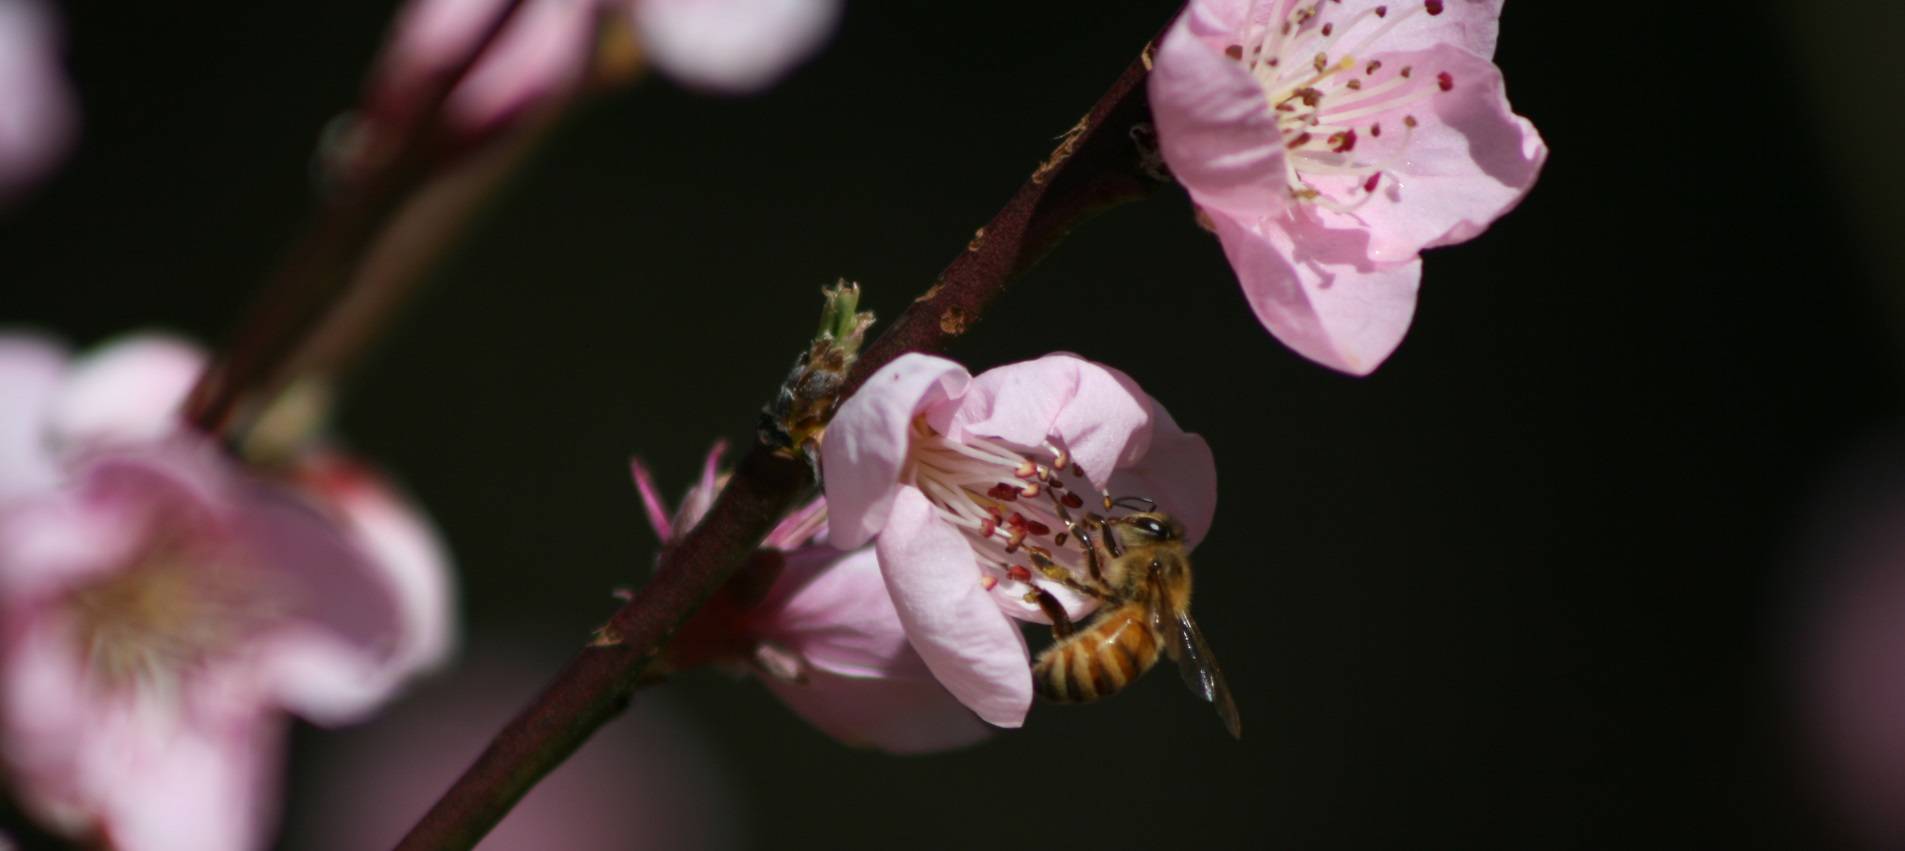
{"x":319,"y":268}
{"x":1096,"y":166}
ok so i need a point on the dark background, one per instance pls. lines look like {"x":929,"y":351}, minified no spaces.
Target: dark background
{"x":1528,"y":586}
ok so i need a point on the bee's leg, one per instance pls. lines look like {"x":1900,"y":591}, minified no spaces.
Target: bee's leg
{"x":1084,"y":539}
{"x":1111,"y":540}
{"x":1061,"y":622}
{"x":1057,"y":573}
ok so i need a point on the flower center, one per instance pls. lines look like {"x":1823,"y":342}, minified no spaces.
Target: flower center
{"x":1337,"y":113}
{"x":1009,"y":502}
{"x":152,"y":623}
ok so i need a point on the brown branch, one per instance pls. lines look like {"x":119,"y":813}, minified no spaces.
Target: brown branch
{"x":319,"y":269}
{"x":1097,"y":165}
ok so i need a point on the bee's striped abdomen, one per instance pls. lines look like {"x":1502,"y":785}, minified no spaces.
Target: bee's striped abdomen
{"x":1098,"y":661}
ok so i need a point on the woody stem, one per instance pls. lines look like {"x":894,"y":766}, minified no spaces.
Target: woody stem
{"x":1096,"y":166}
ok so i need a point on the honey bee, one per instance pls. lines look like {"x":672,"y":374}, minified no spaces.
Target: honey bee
{"x":1143,"y":578}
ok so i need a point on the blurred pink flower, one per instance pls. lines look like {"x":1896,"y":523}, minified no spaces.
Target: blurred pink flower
{"x":816,"y":626}
{"x":36,"y":102}
{"x":159,"y":607}
{"x":649,"y":780}
{"x":731,"y":45}
{"x":1329,"y":143}
{"x":544,"y":54}
{"x":958,"y":479}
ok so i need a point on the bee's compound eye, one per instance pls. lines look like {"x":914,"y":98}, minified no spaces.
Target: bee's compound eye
{"x":1151,"y":526}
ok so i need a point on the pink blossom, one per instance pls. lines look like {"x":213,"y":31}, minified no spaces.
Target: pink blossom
{"x":959,"y":480}
{"x":816,"y":626}
{"x":732,"y":45}
{"x":159,"y":607}
{"x":1328,"y":143}
{"x":545,"y":52}
{"x":36,"y":102}
{"x":542,"y":54}
{"x":648,"y":781}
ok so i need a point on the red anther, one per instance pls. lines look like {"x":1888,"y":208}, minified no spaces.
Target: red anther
{"x":1062,"y":460}
{"x":1071,"y":500}
{"x":1343,"y":142}
{"x":1003,"y":491}
{"x":1445,"y":80}
{"x":1019,"y":573}
{"x":1078,"y":471}
{"x":1037,"y":528}
{"x":987,"y":527}
{"x":1016,"y":521}
{"x":1030,"y":490}
{"x":1298,"y":142}
{"x":1025,"y":470}
{"x":1370,"y":184}
{"x":1060,"y":540}
{"x":988,"y":582}
{"x":1433,"y":7}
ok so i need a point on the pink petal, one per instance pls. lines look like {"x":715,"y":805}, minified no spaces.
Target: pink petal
{"x":49,"y":715}
{"x":832,"y":609}
{"x":1469,"y":161}
{"x":72,"y":535}
{"x":541,"y":56}
{"x":147,"y":772}
{"x":31,"y":371}
{"x":1326,"y":300}
{"x":412,"y":563}
{"x":1177,"y":472}
{"x":732,"y":45}
{"x":700,"y":498}
{"x":1215,"y":128}
{"x":37,"y":116}
{"x":1009,"y":594}
{"x":1471,"y":25}
{"x":213,"y":788}
{"x":866,"y":444}
{"x":1099,"y":414}
{"x":911,"y":715}
{"x":970,"y":646}
{"x":127,"y":391}
{"x":652,"y":503}
{"x":365,"y":615}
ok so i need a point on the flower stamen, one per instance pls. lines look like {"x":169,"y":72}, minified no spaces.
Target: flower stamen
{"x":1320,"y":101}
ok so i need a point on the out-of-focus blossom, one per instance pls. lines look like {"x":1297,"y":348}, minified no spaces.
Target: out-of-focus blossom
{"x":541,"y":54}
{"x":545,"y":51}
{"x":959,"y":482}
{"x":648,"y":781}
{"x":1328,"y":143}
{"x":36,"y":102}
{"x":816,"y":625}
{"x":731,"y":45}
{"x":1849,"y":658}
{"x":160,"y":608}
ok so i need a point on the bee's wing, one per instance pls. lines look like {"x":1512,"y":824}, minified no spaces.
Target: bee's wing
{"x":1185,"y":644}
